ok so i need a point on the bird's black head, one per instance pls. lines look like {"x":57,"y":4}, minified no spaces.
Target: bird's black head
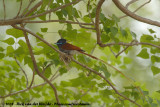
{"x":61,"y":42}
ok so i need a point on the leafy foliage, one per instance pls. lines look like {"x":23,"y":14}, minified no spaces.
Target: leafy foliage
{"x":74,"y":83}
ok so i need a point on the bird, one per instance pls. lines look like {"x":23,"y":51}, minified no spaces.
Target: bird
{"x":70,"y":49}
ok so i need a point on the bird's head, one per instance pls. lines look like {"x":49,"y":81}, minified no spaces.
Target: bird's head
{"x":61,"y":42}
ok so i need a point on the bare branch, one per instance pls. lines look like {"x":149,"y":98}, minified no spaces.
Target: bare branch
{"x":99,"y":74}
{"x":60,"y":21}
{"x":20,"y":7}
{"x":4,"y":9}
{"x":97,"y":21}
{"x":134,"y":16}
{"x":25,"y":10}
{"x":83,"y":26}
{"x":33,"y":8}
{"x":20,"y":20}
{"x":137,"y":8}
{"x":131,"y":2}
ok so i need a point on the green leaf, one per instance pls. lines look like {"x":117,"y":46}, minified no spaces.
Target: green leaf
{"x":146,"y":38}
{"x":1,"y":49}
{"x":115,"y":18}
{"x":9,"y":41}
{"x":14,"y":32}
{"x":2,"y":55}
{"x":44,"y":29}
{"x":143,"y":54}
{"x":10,"y":50}
{"x":127,"y":60}
{"x":155,"y":59}
{"x":62,"y":70}
{"x":133,"y":34}
{"x":105,"y":38}
{"x":151,"y":31}
{"x":114,"y":30}
{"x":86,"y":19}
{"x":48,"y":72}
{"x":123,"y":32}
{"x":155,"y":70}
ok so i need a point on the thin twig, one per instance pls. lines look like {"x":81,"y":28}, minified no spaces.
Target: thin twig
{"x":26,"y":9}
{"x":84,"y":93}
{"x":112,"y":51}
{"x":137,"y":8}
{"x":134,"y":16}
{"x":33,"y":8}
{"x":125,"y":49}
{"x":22,"y":71}
{"x":4,"y":9}
{"x":46,"y":67}
{"x":89,"y":11}
{"x":99,"y":74}
{"x":49,"y":15}
{"x":20,"y":7}
{"x":83,"y":26}
{"x":131,"y":2}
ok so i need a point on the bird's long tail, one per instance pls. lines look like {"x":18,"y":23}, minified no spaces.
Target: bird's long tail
{"x":106,"y":64}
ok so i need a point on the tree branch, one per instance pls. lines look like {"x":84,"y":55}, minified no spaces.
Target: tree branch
{"x":35,"y":64}
{"x":20,"y":20}
{"x":33,"y":8}
{"x":20,"y":7}
{"x":97,"y":21}
{"x":137,"y":8}
{"x":60,"y":21}
{"x":134,"y":16}
{"x":99,"y":74}
{"x":27,"y":89}
{"x":4,"y":9}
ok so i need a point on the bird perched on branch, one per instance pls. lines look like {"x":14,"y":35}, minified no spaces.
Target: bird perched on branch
{"x":70,"y":49}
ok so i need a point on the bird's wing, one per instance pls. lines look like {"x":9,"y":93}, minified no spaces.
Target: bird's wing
{"x":68,"y":46}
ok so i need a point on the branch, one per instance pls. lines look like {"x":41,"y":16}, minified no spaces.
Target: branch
{"x":19,"y":8}
{"x":129,"y":3}
{"x":27,"y":89}
{"x":134,"y":16}
{"x":60,"y":21}
{"x":33,"y":8}
{"x":99,"y":74}
{"x":38,"y":37}
{"x":83,"y":26}
{"x":4,"y":9}
{"x":25,"y":10}
{"x":35,"y":64}
{"x":137,"y":9}
{"x":20,"y":20}
{"x":97,"y":21}
{"x":130,"y":44}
